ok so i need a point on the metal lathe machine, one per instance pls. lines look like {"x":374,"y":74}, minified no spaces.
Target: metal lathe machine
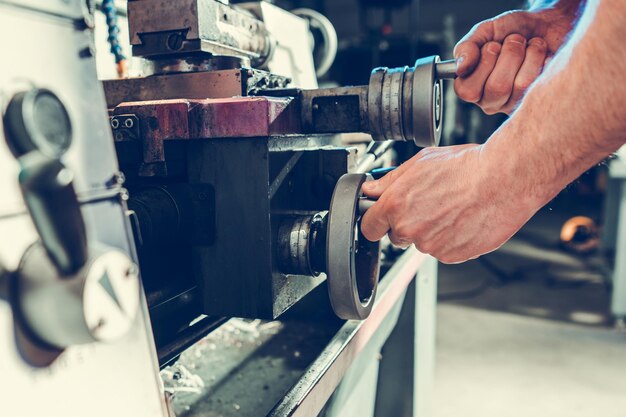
{"x":186,"y":242}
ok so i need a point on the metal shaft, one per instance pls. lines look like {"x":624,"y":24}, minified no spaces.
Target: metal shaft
{"x":446,"y":70}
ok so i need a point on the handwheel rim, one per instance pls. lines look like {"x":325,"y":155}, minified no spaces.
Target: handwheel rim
{"x":352,"y":262}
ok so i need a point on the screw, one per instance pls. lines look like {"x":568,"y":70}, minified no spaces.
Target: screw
{"x":119,"y":178}
{"x":175,"y":41}
{"x":124,"y":196}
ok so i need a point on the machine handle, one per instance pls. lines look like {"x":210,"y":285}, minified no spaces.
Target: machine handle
{"x":48,"y":189}
{"x":446,"y":70}
{"x":4,"y":283}
{"x":366,"y":203}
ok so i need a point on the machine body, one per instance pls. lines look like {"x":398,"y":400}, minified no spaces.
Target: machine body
{"x":72,"y":311}
{"x":231,"y":169}
{"x":219,"y":185}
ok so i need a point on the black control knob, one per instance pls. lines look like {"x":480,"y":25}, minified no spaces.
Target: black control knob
{"x":37,"y":120}
{"x":49,"y":195}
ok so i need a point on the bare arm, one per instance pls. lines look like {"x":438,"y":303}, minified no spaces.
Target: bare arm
{"x":460,"y":202}
{"x":575,"y":114}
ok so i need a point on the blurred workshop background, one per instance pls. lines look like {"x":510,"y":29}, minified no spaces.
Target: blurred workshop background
{"x":534,"y":328}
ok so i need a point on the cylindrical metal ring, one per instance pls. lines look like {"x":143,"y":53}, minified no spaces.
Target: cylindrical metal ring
{"x":293,"y":245}
{"x":406,"y":103}
{"x":301,"y":245}
{"x":426,"y":92}
{"x":386,"y":109}
{"x":396,"y":111}
{"x":374,"y":103}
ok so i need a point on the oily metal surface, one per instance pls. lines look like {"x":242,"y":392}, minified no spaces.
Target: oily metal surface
{"x":245,"y":367}
{"x":352,"y":262}
{"x":280,"y":369}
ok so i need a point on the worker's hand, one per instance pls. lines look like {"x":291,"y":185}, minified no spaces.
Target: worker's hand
{"x":450,"y":202}
{"x":501,"y":57}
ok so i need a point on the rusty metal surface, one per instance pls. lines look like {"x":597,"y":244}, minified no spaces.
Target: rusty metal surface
{"x":342,"y":109}
{"x":243,"y":118}
{"x":192,"y":85}
{"x":163,"y":120}
{"x":239,"y":117}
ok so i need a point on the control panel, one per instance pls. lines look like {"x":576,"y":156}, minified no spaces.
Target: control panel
{"x":72,"y":310}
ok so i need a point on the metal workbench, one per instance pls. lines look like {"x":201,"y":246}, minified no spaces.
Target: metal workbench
{"x":382,"y":366}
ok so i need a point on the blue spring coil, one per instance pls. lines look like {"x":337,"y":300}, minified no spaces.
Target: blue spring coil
{"x":110,"y":12}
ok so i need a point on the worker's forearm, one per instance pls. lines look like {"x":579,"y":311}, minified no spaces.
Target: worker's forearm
{"x":575,"y":114}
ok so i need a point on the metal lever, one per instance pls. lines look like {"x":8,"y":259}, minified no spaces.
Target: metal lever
{"x":4,"y":283}
{"x":47,"y":186}
{"x":446,"y":70}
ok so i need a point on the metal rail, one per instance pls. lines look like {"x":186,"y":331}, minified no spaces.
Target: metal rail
{"x":308,"y":397}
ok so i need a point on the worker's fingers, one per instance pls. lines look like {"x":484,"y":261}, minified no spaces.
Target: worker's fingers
{"x":536,"y":53}
{"x":471,"y":88}
{"x":374,"y":189}
{"x":375,"y":224}
{"x":399,"y":241}
{"x":467,"y":51}
{"x":499,"y":85}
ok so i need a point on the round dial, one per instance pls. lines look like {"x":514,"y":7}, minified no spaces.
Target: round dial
{"x":37,"y":120}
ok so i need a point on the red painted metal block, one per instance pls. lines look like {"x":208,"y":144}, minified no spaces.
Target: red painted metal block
{"x":242,"y":117}
{"x":181,"y":119}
